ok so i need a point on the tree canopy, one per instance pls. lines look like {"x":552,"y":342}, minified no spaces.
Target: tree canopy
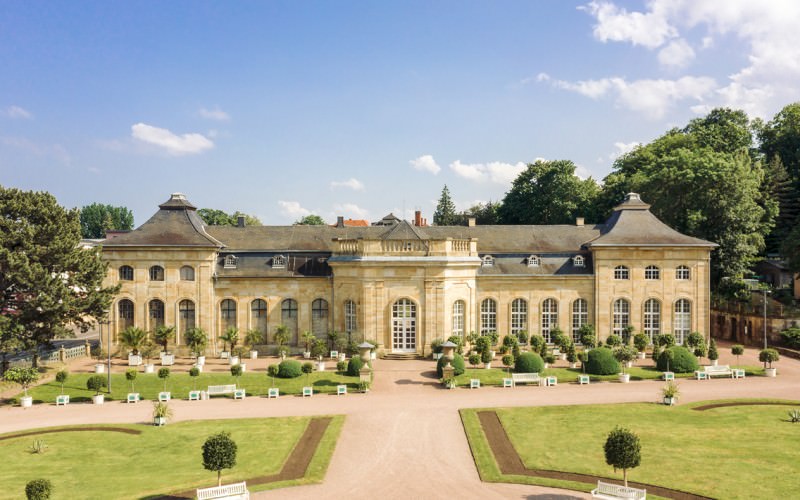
{"x":47,"y":280}
{"x":445,"y":214}
{"x":623,"y":451}
{"x":215,"y":217}
{"x":310,"y":220}
{"x":219,"y":452}
{"x":98,"y":218}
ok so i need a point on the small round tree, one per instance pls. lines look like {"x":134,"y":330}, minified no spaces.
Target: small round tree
{"x":737,"y":350}
{"x":354,"y":366}
{"x":614,"y":340}
{"x":95,"y":383}
{"x":486,"y":356}
{"x":623,"y":451}
{"x":768,"y":356}
{"x":130,"y":376}
{"x":163,"y":374}
{"x":62,"y":377}
{"x":236,"y":371}
{"x":508,"y":362}
{"x":587,"y":336}
{"x":194,"y":372}
{"x":474,"y":360}
{"x":38,"y":489}
{"x":713,"y":353}
{"x":272,"y":371}
{"x":307,"y":369}
{"x":25,"y":377}
{"x":640,"y":341}
{"x":219,"y":452}
{"x":624,"y":355}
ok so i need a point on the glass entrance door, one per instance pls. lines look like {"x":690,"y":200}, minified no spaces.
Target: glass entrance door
{"x":404,"y":326}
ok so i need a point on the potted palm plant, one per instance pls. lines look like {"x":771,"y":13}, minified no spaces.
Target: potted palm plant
{"x":161,"y":412}
{"x":251,"y":339}
{"x":308,"y":340}
{"x":96,"y":383}
{"x":148,"y":350}
{"x":670,"y":393}
{"x":229,"y":338}
{"x":281,"y":338}
{"x":133,"y":338}
{"x":769,"y":356}
{"x":25,"y":377}
{"x":162,"y":336}
{"x":197,"y":340}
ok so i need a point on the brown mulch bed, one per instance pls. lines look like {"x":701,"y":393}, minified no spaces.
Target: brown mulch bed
{"x":72,"y":429}
{"x":743,"y":403}
{"x":509,"y":462}
{"x":295,"y":466}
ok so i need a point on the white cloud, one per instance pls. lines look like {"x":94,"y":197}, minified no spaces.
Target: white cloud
{"x":650,"y":29}
{"x":677,"y":54}
{"x":293,"y":209}
{"x":18,"y":112}
{"x":173,"y":144}
{"x":582,"y":172}
{"x":214,"y":114}
{"x":352,"y":183}
{"x":55,"y":151}
{"x":351,"y":211}
{"x":497,"y":172}
{"x":425,"y":163}
{"x":621,"y":148}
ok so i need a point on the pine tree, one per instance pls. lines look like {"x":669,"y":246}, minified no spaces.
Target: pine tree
{"x":445,"y":214}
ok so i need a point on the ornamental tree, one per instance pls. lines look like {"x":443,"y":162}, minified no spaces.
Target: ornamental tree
{"x":219,"y":452}
{"x":623,"y":451}
{"x":98,"y":218}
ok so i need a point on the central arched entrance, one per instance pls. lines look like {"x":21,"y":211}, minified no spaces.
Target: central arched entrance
{"x":404,"y":326}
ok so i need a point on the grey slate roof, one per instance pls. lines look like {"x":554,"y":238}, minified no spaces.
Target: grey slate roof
{"x":558,"y":265}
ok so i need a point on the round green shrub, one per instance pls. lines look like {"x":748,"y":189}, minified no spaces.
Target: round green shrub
{"x":529,"y":362}
{"x":289,"y":368}
{"x":457,"y":362}
{"x":341,"y":366}
{"x":95,"y":383}
{"x":38,"y":489}
{"x":601,"y":361}
{"x":614,"y":340}
{"x":354,"y":366}
{"x":679,"y":360}
{"x":307,"y":367}
{"x":474,"y":359}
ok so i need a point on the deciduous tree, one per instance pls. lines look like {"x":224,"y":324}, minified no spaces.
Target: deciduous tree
{"x":623,"y":451}
{"x":310,"y":220}
{"x":98,"y":218}
{"x":219,"y":452}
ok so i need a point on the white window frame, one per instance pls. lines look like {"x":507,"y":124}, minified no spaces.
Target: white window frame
{"x":549,"y":317}
{"x":622,"y":273}
{"x":278,"y":262}
{"x":488,"y":320}
{"x":519,"y":316}
{"x":580,"y":317}
{"x":534,"y":261}
{"x":652,"y":272}
{"x":683,"y":273}
{"x":681,"y":320}
{"x":652,"y":319}
{"x":621,"y":316}
{"x":459,"y":308}
{"x":487,"y":261}
{"x":230,"y":262}
{"x":579,"y":261}
{"x":350,"y":318}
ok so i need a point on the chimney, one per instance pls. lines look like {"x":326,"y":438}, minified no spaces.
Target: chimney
{"x":340,"y":221}
{"x":240,"y":221}
{"x":579,"y":221}
{"x":417,"y":218}
{"x":471,"y":222}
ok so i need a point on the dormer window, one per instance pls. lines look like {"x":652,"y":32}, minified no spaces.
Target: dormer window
{"x":578,"y":261}
{"x":278,"y":262}
{"x":487,"y":261}
{"x":534,"y":261}
{"x":230,"y":261}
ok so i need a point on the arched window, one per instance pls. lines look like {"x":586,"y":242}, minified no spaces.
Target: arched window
{"x":652,"y":318}
{"x":319,"y":317}
{"x":580,"y":316}
{"x":186,"y":313}
{"x":156,"y":313}
{"x":549,"y":318}
{"x":289,"y":317}
{"x":156,"y":273}
{"x":652,"y":273}
{"x":230,"y":262}
{"x":534,"y":261}
{"x":622,"y":316}
{"x":126,"y":273}
{"x":682,"y":320}
{"x":278,"y":262}
{"x":622,"y":273}
{"x":519,"y":316}
{"x":350,"y":322}
{"x":578,"y":261}
{"x":458,"y":318}
{"x":227,"y":314}
{"x":258,"y":316}
{"x":488,"y":316}
{"x":683,"y":273}
{"x":125,"y":307}
{"x":487,"y":261}
{"x":187,"y":273}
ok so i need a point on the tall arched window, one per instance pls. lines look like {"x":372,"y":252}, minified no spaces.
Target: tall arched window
{"x":622,"y":273}
{"x":156,"y":313}
{"x":519,"y":316}
{"x":319,"y":317}
{"x":580,"y":316}
{"x":125,"y":308}
{"x":187,"y":273}
{"x":227,"y":314}
{"x":258,"y":316}
{"x":186,"y":313}
{"x":126,"y":273}
{"x":156,"y":273}
{"x":622,"y":316}
{"x":289,"y":317}
{"x":458,"y":318}
{"x":549,"y":318}
{"x":682,"y":320}
{"x":488,"y":316}
{"x":652,"y":318}
{"x":350,"y":321}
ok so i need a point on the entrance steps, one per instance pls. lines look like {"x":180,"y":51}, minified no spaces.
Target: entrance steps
{"x":402,"y":356}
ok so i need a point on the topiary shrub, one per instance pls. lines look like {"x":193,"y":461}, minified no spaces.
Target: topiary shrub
{"x":38,"y":489}
{"x":95,"y":383}
{"x":614,"y":340}
{"x":536,"y":342}
{"x":678,"y":359}
{"x":289,"y":368}
{"x":341,"y":366}
{"x":529,"y":362}
{"x":354,"y":366}
{"x":457,"y":362}
{"x":601,"y":361}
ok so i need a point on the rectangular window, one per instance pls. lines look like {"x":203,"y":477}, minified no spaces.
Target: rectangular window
{"x":458,"y":318}
{"x":519,"y":316}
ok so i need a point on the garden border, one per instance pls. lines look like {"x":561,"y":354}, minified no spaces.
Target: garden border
{"x":123,"y":430}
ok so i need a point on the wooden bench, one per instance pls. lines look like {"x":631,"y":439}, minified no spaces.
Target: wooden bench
{"x":718,"y":371}
{"x":341,"y":389}
{"x":62,"y":399}
{"x":235,"y":491}
{"x":616,"y":491}
{"x":474,"y":383}
{"x":215,"y":390}
{"x":526,"y":378}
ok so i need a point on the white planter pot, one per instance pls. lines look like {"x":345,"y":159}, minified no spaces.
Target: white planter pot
{"x":321,"y":366}
{"x":714,"y":362}
{"x":224,"y":354}
{"x":199,"y":368}
{"x":624,"y":377}
{"x":167,"y":359}
{"x":342,"y":356}
{"x":201,"y":360}
{"x":563,"y":356}
{"x":233,"y":360}
{"x":546,"y":366}
{"x":99,"y":368}
{"x":573,"y":365}
{"x":159,"y":421}
{"x":253,"y":354}
{"x":493,"y":353}
{"x":98,"y":399}
{"x":628,"y":364}
{"x":373,"y":355}
{"x":134,"y":360}
{"x":26,"y":401}
{"x":487,"y":365}
{"x":771,"y":372}
{"x":642,"y":355}
{"x":306,"y":355}
{"x":244,"y":367}
{"x":149,"y":368}
{"x":669,"y":401}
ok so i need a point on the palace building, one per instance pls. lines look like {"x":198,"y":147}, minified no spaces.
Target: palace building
{"x":400,"y":285}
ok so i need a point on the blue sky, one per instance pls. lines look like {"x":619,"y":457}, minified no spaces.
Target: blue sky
{"x":280,"y":109}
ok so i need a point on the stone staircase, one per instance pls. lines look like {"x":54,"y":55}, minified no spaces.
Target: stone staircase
{"x":401,"y":356}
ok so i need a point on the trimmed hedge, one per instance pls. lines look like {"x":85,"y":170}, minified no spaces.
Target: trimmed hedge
{"x":529,"y":362}
{"x":354,"y":366}
{"x":602,"y":362}
{"x":457,"y":362}
{"x":679,"y":359}
{"x":289,"y":368}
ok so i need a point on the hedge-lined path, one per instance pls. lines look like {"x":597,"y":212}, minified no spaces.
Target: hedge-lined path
{"x":405,"y":439}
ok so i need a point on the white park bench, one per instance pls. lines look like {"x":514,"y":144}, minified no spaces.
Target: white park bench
{"x":235,"y":491}
{"x":239,"y":393}
{"x":216,"y":390}
{"x":194,"y":395}
{"x":550,"y":381}
{"x":738,"y":372}
{"x":583,"y":379}
{"x":308,"y":391}
{"x":273,"y":392}
{"x":616,"y":491}
{"x":526,"y":378}
{"x":341,"y":389}
{"x":508,"y":382}
{"x":62,"y":399}
{"x":474,"y":383}
{"x":133,"y":397}
{"x":718,"y":371}
{"x":164,"y":397}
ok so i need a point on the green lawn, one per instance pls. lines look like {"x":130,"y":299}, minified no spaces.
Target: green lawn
{"x":96,"y":464}
{"x":732,"y":452}
{"x":148,"y":385}
{"x":494,"y":376}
